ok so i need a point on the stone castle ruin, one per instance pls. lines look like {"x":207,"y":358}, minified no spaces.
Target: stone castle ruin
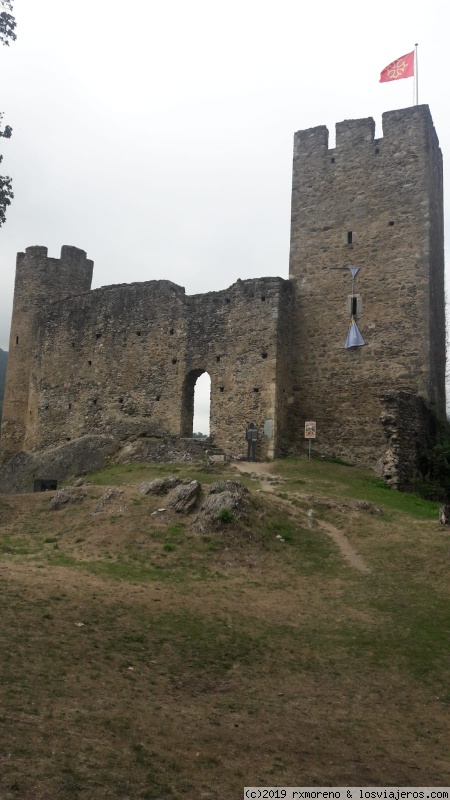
{"x":94,"y":372}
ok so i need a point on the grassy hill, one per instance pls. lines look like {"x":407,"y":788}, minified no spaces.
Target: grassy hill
{"x":146,"y":657}
{"x":3,"y":363}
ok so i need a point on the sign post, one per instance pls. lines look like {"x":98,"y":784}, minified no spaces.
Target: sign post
{"x":310,"y":433}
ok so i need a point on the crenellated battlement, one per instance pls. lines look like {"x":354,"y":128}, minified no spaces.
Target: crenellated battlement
{"x":71,"y":257}
{"x":405,"y":125}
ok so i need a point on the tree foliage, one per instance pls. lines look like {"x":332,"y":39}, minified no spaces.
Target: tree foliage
{"x":6,"y":193}
{"x":7,"y":23}
{"x":7,"y":34}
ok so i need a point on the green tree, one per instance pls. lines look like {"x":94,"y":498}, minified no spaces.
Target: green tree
{"x":7,"y":23}
{"x":7,"y":35}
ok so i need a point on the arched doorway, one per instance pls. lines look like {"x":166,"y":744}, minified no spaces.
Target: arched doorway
{"x":196,"y":404}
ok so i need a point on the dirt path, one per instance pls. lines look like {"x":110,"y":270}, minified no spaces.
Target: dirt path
{"x":339,"y":538}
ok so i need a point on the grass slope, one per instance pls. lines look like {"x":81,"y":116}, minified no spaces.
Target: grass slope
{"x":206,"y":662}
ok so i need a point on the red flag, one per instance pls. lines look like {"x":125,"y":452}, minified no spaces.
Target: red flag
{"x":402,"y":67}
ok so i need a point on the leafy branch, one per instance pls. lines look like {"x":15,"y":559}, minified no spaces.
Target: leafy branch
{"x":7,"y":23}
{"x":7,"y":27}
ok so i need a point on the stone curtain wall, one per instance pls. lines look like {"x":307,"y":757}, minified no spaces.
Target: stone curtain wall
{"x":122,"y":362}
{"x":39,"y":281}
{"x":374,"y":204}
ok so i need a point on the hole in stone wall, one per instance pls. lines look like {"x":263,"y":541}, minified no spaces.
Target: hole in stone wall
{"x":196,"y":403}
{"x":263,"y":355}
{"x":202,"y":404}
{"x":158,"y":398}
{"x":68,"y":439}
{"x":350,"y":237}
{"x":47,"y":407}
{"x":89,"y":362}
{"x":227,"y":299}
{"x":391,"y":223}
{"x":73,"y":344}
{"x":221,"y":388}
{"x":377,"y":150}
{"x":333,"y":160}
{"x":217,"y":358}
{"x":174,"y":360}
{"x":120,"y":399}
{"x":171,"y":331}
{"x":263,"y":297}
{"x":98,"y":335}
{"x":95,"y":401}
{"x":17,"y":340}
{"x":138,"y":333}
{"x":70,"y":406}
{"x":255,"y":389}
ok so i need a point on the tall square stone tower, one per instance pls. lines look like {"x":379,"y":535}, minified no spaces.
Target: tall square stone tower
{"x":376,"y":205}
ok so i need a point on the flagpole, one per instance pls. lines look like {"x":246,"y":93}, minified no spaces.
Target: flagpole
{"x":416,"y":73}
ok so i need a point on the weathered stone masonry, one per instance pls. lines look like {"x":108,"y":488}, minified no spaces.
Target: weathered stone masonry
{"x":121,"y":362}
{"x":375,"y":204}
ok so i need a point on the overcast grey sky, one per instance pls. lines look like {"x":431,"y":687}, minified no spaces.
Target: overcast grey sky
{"x":158,"y":135}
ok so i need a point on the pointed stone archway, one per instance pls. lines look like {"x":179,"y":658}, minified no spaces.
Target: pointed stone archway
{"x":187,"y":402}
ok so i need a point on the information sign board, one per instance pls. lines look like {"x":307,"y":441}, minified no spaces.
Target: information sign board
{"x":310,"y":430}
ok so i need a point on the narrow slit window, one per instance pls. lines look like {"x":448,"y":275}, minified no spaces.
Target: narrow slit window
{"x":350,"y":237}
{"x":17,"y":340}
{"x":354,"y":305}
